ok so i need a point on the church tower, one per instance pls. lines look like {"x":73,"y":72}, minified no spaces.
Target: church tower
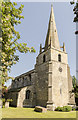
{"x":53,"y":80}
{"x":49,"y":84}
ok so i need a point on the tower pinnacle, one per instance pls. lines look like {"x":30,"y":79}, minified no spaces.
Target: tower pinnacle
{"x":52,"y":36}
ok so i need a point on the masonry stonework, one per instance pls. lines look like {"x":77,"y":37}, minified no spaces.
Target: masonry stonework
{"x":49,"y":84}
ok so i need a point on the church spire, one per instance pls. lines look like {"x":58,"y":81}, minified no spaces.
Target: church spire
{"x":52,"y":36}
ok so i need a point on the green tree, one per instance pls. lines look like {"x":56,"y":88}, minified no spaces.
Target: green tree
{"x":74,"y":81}
{"x":75,"y":86}
{"x":75,"y":10}
{"x":9,"y":38}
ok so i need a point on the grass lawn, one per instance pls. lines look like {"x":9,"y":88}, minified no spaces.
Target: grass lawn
{"x":30,"y":113}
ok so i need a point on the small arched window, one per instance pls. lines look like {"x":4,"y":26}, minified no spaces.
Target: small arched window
{"x":30,"y":77}
{"x":59,"y":58}
{"x":28,"y":94}
{"x":44,"y":58}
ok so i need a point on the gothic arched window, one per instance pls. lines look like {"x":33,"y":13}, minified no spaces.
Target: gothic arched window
{"x":44,"y":58}
{"x":28,"y":94}
{"x":59,"y":58}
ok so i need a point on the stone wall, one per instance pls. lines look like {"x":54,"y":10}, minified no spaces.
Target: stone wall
{"x":18,"y":90}
{"x":14,"y":96}
{"x":70,"y":88}
{"x":23,"y":80}
{"x":59,"y":84}
{"x":42,"y":69}
{"x":57,"y":80}
{"x":22,"y":101}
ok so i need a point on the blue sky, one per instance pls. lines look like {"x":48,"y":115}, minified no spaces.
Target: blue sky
{"x":33,"y":30}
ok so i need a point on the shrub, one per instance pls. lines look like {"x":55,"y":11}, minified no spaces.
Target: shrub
{"x":58,"y":109}
{"x":64,"y":109}
{"x":67,"y":108}
{"x":73,"y":109}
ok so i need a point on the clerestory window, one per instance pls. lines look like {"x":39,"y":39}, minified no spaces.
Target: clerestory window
{"x":59,"y":58}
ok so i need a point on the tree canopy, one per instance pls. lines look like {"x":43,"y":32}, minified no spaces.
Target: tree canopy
{"x":75,"y":10}
{"x":10,"y":38}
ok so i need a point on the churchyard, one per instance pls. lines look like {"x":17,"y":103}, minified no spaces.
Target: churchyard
{"x":30,"y":113}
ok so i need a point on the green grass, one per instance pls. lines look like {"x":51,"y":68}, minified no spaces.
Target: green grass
{"x":30,"y":113}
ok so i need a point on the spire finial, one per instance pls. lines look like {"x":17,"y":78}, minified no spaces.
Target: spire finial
{"x":51,"y":5}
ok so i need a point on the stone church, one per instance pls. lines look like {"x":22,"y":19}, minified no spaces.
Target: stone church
{"x":49,"y":84}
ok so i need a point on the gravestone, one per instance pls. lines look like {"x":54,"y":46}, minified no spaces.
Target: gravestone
{"x":40,"y":109}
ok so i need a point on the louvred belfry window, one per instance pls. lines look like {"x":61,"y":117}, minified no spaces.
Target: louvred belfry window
{"x":44,"y":58}
{"x":59,"y":58}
